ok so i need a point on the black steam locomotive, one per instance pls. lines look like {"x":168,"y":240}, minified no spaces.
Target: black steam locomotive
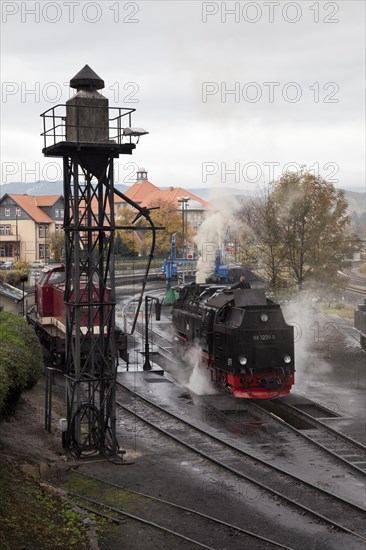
{"x":244,"y":338}
{"x":360,"y":323}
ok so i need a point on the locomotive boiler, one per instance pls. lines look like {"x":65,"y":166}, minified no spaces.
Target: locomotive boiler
{"x":244,"y":338}
{"x":47,"y":316}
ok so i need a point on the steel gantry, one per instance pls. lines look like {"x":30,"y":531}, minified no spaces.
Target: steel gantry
{"x":89,"y":135}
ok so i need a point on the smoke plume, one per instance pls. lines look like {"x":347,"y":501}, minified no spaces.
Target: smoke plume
{"x":309,"y":361}
{"x":212,"y":232}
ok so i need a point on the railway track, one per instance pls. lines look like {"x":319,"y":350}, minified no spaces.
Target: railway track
{"x":341,"y":447}
{"x":156,"y":339}
{"x":345,"y":449}
{"x":356,"y":284}
{"x":342,"y":325}
{"x":356,"y":290}
{"x":201,"y":531}
{"x":327,"y":508}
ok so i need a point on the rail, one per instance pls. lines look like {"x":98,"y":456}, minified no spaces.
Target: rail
{"x":55,"y":128}
{"x":322,"y":506}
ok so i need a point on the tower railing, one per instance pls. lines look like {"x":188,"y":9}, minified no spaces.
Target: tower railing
{"x":54,"y":124}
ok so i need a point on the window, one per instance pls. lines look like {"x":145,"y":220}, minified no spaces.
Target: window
{"x":6,"y":250}
{"x":7,"y":211}
{"x":62,"y":212}
{"x":18,"y":212}
{"x":7,"y":230}
{"x":43,"y":230}
{"x":48,"y":252}
{"x":57,"y":213}
{"x":41,"y":251}
{"x":57,"y":277}
{"x":2,"y":230}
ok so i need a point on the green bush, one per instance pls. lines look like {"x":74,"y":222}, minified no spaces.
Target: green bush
{"x":21,"y":358}
{"x":4,"y":387}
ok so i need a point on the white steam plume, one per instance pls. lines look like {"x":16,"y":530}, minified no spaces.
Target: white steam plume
{"x":309,"y":362}
{"x":199,"y":381}
{"x":211,"y":234}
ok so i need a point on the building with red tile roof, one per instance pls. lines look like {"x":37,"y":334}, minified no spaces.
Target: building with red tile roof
{"x":147,"y":194}
{"x":26,"y":223}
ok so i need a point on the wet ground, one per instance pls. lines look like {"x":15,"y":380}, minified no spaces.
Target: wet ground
{"x":330,"y":370}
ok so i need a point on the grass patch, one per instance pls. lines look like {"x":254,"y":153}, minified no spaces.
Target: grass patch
{"x":344,"y":311}
{"x":97,"y":490}
{"x":32,"y":518}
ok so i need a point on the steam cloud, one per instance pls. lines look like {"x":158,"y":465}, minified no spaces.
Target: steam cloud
{"x":199,"y":380}
{"x":212,"y":232}
{"x":308,"y":361}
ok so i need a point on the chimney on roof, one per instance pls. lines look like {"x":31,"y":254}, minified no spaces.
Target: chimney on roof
{"x":141,"y":174}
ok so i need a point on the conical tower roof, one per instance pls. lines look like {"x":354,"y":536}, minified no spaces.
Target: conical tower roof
{"x":87,"y":77}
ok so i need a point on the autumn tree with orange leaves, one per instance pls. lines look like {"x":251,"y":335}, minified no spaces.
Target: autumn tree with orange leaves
{"x":167,"y":216}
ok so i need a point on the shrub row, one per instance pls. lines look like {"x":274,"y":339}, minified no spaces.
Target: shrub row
{"x":21,"y":359}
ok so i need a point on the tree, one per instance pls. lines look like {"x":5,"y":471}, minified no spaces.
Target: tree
{"x":127,"y":242}
{"x":12,"y":277}
{"x":167,"y":216}
{"x":260,"y":239}
{"x":301,"y":229}
{"x":57,"y":245}
{"x":312,"y":221}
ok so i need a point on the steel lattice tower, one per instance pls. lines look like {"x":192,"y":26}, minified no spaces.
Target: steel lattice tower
{"x":88,"y":138}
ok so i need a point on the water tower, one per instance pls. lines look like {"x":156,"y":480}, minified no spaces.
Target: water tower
{"x":89,"y":135}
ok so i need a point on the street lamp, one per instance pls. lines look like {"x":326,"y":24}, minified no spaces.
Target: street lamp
{"x":184,"y":202}
{"x":147,"y":364}
{"x":17,"y":234}
{"x":23,"y":279}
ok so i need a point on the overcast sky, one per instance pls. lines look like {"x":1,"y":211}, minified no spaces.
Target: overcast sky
{"x":296,"y":72}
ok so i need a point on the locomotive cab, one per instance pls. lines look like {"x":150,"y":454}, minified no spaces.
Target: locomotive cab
{"x":49,"y":292}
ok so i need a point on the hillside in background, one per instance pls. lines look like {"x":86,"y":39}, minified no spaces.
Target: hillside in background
{"x":41,"y":188}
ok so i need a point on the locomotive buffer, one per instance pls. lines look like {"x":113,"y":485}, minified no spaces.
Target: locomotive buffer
{"x":89,"y":135}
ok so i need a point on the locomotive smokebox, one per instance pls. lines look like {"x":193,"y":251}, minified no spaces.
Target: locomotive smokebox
{"x":87,"y":110}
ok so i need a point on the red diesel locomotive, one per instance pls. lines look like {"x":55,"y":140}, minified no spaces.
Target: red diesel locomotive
{"x":48,"y":318}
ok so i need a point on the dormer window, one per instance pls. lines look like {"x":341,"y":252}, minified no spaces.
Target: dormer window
{"x":57,"y":213}
{"x":141,"y":174}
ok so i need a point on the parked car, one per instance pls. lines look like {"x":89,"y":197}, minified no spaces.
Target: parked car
{"x":9,"y":264}
{"x":37,"y":264}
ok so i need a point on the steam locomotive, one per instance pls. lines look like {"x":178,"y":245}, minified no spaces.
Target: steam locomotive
{"x":48,"y":318}
{"x":360,"y":322}
{"x":244,"y":338}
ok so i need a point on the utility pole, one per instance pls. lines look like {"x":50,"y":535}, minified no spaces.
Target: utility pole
{"x":184,"y":202}
{"x":17,"y":235}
